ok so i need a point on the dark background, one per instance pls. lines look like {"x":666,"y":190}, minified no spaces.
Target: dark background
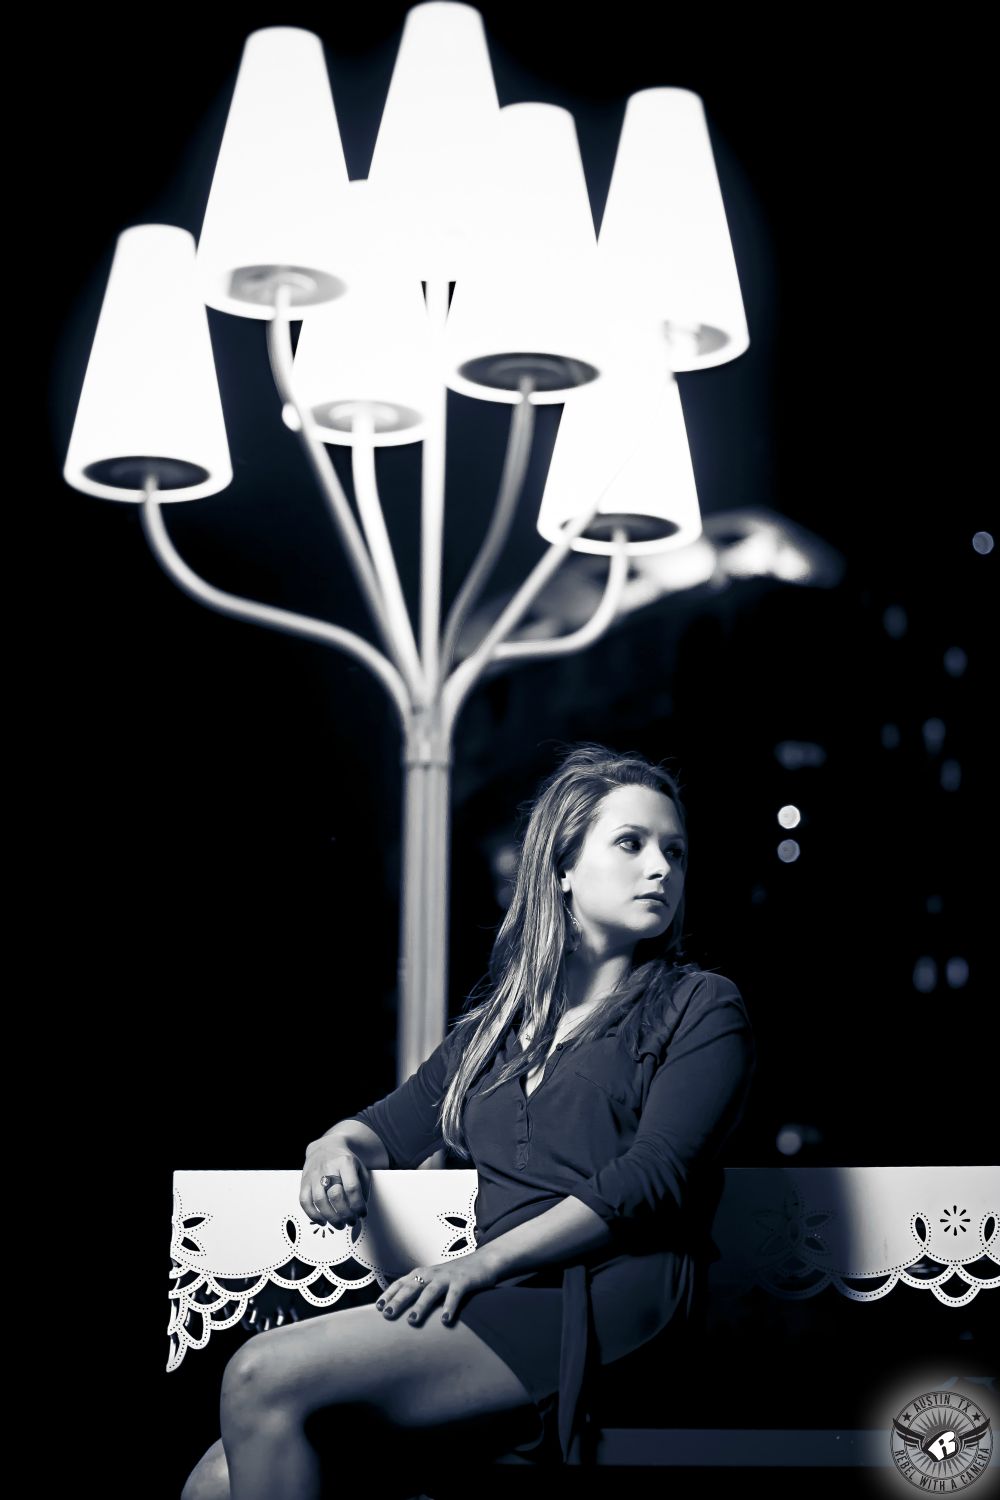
{"x":216,"y":831}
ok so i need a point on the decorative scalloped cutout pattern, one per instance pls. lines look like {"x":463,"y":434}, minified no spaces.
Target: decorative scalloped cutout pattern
{"x":793,"y":1232}
{"x":250,"y":1238}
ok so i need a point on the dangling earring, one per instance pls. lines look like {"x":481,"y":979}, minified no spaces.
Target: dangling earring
{"x":573,"y":934}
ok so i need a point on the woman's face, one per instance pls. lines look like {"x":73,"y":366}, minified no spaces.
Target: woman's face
{"x":634,"y":850}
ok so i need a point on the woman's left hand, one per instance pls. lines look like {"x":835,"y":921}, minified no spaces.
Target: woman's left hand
{"x":448,"y":1283}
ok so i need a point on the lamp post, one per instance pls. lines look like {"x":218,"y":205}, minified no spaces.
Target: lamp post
{"x":466,"y":261}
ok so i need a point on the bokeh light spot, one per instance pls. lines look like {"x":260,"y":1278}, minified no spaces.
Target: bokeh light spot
{"x":789,"y":817}
{"x":789,"y":1140}
{"x":924,"y":975}
{"x":956,"y":972}
{"x":951,"y":775}
{"x":788,"y":851}
{"x":793,"y":754}
{"x":933,"y":731}
{"x":955,"y":661}
{"x":894,"y":620}
{"x":983,"y":542}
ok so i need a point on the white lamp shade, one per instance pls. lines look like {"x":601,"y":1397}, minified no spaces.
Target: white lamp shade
{"x":150,"y":400}
{"x":528,"y":302}
{"x":276,"y":210}
{"x":664,"y":244}
{"x":368,"y":354}
{"x":622,"y":447}
{"x":438,"y":120}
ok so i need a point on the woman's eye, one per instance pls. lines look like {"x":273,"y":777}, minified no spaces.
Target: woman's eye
{"x":629,"y":840}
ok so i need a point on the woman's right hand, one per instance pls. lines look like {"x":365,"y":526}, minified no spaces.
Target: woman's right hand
{"x":335,"y":1186}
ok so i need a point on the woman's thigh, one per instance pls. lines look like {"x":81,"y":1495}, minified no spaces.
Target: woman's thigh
{"x":413,"y":1375}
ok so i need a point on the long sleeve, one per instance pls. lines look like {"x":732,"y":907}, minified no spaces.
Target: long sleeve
{"x":407,"y":1121}
{"x":696,"y":1097}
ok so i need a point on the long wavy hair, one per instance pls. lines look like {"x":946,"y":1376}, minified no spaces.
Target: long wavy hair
{"x":526,"y":977}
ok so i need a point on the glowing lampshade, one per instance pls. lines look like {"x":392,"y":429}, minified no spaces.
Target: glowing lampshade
{"x":275,"y":211}
{"x":370,"y":352}
{"x":664,"y":243}
{"x":439,"y":117}
{"x":150,"y":400}
{"x":527,"y":304}
{"x":622,"y":448}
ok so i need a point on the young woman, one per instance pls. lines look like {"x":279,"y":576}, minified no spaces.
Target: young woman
{"x":592,"y":1086}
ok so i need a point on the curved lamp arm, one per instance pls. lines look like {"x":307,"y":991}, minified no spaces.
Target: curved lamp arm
{"x":595,"y":627}
{"x":463,"y":679}
{"x":522,"y":427}
{"x":280,"y":351}
{"x":285,"y":620}
{"x":380,"y":547}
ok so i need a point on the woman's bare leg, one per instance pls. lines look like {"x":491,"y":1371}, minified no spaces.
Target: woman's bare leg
{"x":209,"y":1479}
{"x":412,"y":1376}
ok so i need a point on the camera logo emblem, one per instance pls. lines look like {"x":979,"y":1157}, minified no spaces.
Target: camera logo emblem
{"x":941,"y":1441}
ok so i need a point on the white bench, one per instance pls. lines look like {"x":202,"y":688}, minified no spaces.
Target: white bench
{"x":785,"y":1232}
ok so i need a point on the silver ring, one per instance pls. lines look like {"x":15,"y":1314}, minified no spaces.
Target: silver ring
{"x":421,"y":1279}
{"x":327,"y":1182}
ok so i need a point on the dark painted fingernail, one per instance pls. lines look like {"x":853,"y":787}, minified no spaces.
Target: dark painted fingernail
{"x":446,"y":1317}
{"x":388,"y":1312}
{"x":380,"y":1305}
{"x":413,"y":1317}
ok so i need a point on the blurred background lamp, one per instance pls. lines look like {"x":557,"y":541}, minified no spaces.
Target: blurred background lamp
{"x":150,"y":406}
{"x":789,"y":817}
{"x":275,"y":213}
{"x":438,"y":123}
{"x":664,"y":244}
{"x":629,"y":458}
{"x":528,"y":304}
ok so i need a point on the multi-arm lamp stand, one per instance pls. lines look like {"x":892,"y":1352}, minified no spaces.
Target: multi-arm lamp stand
{"x":460,"y":194}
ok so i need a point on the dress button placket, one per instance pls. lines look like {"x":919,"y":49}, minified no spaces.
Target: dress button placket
{"x":521,"y":1159}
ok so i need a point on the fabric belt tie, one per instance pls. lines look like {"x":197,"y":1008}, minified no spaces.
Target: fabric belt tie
{"x":573,"y":1360}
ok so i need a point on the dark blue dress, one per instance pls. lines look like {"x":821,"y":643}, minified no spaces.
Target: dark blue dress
{"x":636,"y":1140}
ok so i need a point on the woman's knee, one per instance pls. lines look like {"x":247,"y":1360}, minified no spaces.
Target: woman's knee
{"x":250,"y":1388}
{"x":264,"y":1383}
{"x":209,"y":1479}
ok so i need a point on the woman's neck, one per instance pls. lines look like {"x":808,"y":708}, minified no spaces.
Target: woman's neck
{"x":589,"y":978}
